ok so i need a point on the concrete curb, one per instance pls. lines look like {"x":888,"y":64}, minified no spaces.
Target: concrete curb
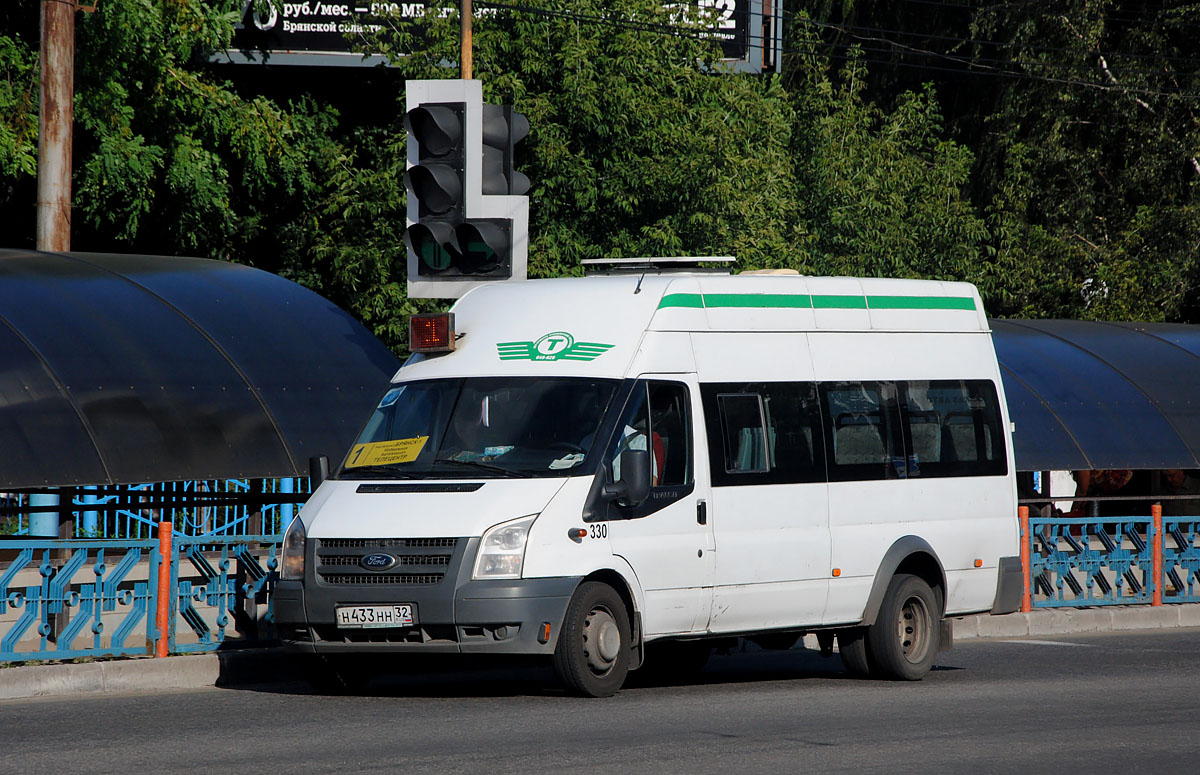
{"x":227,"y":668}
{"x":273,"y":665}
{"x":1062,"y":621}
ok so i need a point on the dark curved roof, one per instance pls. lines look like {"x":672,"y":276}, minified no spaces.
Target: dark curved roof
{"x":126,"y":369}
{"x":1087,"y":395}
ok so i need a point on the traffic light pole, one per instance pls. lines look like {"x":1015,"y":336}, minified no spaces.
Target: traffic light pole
{"x":467,"y":45}
{"x":54,"y":125}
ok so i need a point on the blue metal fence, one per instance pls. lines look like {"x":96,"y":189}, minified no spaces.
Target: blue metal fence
{"x":97,"y":597}
{"x":1097,"y":561}
{"x":67,"y":598}
{"x":39,"y":589}
{"x":203,"y":507}
{"x":1181,"y":559}
{"x":96,"y":593}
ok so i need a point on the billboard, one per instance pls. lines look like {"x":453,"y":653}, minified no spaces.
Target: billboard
{"x":315,"y":32}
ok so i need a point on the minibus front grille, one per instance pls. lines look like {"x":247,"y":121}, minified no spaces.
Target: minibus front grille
{"x":417,"y":561}
{"x":403,"y":579}
{"x":420,"y":559}
{"x":388,"y":543}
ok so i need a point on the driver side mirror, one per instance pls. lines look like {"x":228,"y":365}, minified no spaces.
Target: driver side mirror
{"x":633,"y":488}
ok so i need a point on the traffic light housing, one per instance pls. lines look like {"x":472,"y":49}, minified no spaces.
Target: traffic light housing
{"x":467,"y":213}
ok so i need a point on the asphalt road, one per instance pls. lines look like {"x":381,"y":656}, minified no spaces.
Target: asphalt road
{"x":1121,"y":703}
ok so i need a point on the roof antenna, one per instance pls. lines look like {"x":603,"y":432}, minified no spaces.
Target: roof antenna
{"x":638,"y":289}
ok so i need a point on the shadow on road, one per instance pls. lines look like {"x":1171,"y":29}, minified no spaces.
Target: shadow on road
{"x":459,"y":677}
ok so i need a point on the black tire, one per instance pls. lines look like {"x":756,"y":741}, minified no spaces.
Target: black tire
{"x":905,"y":638}
{"x":592,"y":656}
{"x":855,"y":651}
{"x":335,"y":675}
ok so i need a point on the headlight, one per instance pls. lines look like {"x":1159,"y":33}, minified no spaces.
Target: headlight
{"x":294,"y":539}
{"x":502,"y":550}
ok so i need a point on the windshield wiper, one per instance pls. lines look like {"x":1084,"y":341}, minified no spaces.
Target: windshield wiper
{"x":375,"y":472}
{"x":485,"y":466}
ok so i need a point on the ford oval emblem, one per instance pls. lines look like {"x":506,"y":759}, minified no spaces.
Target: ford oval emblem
{"x":377,"y":561}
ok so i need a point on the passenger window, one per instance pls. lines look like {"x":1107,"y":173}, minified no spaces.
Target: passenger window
{"x":746,"y":434}
{"x":764,"y":433}
{"x":863,"y":423}
{"x":954,"y":428}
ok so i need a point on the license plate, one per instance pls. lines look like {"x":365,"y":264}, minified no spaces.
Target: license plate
{"x":375,"y":615}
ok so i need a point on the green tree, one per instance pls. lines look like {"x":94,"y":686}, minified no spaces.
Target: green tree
{"x":640,"y":145}
{"x":172,"y":157}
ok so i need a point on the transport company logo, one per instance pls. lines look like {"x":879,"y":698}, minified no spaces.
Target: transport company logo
{"x":555,"y":346}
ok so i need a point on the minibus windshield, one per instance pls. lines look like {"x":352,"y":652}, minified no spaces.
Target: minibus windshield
{"x":481,"y":427}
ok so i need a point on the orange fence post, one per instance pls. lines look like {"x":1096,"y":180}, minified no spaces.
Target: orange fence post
{"x":1157,"y":549}
{"x":1026,"y":593}
{"x":163,"y":613}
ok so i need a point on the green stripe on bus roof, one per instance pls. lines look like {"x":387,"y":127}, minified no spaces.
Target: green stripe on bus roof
{"x":801,"y":300}
{"x":920,"y":302}
{"x":681,"y":300}
{"x":815,"y":301}
{"x":838,"y":302}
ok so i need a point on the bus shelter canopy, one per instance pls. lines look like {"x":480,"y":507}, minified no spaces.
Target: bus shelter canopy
{"x":1088,"y":395}
{"x":123,"y":369}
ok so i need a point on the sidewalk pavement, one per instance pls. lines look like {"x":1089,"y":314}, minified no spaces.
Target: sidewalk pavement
{"x":271,"y":665}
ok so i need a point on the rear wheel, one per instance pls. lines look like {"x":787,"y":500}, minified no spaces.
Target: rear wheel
{"x":904,"y":640}
{"x":592,"y":655}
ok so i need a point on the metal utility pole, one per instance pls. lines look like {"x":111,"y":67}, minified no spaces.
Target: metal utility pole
{"x":467,"y":45}
{"x":55,"y":118}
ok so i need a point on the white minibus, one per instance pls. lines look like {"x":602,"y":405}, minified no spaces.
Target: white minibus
{"x":626,"y":471}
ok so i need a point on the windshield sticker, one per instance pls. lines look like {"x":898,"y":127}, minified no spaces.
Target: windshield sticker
{"x":384,"y":453}
{"x":555,"y":346}
{"x":390,"y":397}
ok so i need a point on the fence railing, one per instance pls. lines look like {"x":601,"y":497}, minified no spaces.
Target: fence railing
{"x":224,"y":507}
{"x":66,"y":598}
{"x":1115,"y":560}
{"x":95,"y":590}
{"x":75,"y":597}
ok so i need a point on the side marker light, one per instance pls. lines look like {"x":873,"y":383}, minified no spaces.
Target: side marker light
{"x":837,"y":572}
{"x":978,"y":563}
{"x":544,"y":633}
{"x":577,"y":534}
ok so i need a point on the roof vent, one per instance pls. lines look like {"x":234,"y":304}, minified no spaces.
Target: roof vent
{"x":660,"y":265}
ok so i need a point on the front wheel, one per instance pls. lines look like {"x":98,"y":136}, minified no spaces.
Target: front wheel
{"x":904,"y":640}
{"x":592,"y":655}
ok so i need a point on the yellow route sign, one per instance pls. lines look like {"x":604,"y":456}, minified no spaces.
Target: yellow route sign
{"x":382,"y":453}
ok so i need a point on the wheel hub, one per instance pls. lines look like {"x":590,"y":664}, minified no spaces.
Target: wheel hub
{"x":601,"y":640}
{"x":912,"y":629}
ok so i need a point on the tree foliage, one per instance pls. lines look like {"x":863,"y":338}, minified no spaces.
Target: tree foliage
{"x":1045,"y":151}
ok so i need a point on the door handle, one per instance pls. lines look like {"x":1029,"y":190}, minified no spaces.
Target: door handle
{"x":702,"y":512}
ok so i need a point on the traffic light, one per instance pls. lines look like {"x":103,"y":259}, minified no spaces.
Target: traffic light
{"x":502,"y":129}
{"x":467,"y":213}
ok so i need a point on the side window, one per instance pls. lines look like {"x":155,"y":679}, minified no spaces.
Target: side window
{"x":764,"y":433}
{"x":745,"y":434}
{"x":954,"y":427}
{"x":658,"y":419}
{"x":862,"y":431}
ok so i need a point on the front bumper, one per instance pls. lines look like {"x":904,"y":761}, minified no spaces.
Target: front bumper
{"x":456,"y":615}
